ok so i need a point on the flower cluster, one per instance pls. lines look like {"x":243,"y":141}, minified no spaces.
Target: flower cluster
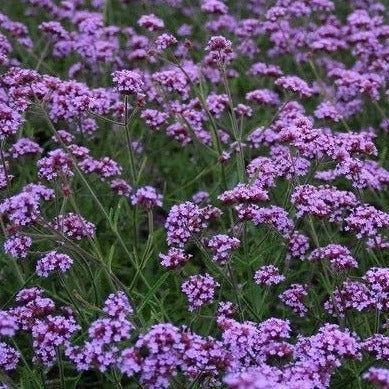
{"x":147,"y":197}
{"x":128,"y":82}
{"x":293,"y":297}
{"x":53,"y":262}
{"x":187,"y":219}
{"x":222,"y":245}
{"x":268,"y":275}
{"x":199,"y":289}
{"x":339,"y":256}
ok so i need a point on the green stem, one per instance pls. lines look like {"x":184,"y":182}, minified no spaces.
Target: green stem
{"x":127,"y":126}
{"x":97,"y":201}
{"x":19,"y":274}
{"x":235,"y":129}
{"x":235,"y":290}
{"x":60,"y":368}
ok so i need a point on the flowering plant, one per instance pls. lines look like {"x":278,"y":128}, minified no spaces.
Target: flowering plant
{"x":194,"y":195}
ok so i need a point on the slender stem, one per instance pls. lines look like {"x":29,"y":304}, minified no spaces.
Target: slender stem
{"x":116,"y":379}
{"x":214,"y":130}
{"x":235,"y":129}
{"x":99,"y":204}
{"x":328,"y":97}
{"x":18,"y":272}
{"x":147,"y":249}
{"x":4,"y":163}
{"x":70,"y":295}
{"x":22,"y":357}
{"x":60,"y":368}
{"x":274,"y":117}
{"x":43,"y":55}
{"x":105,"y":118}
{"x":127,"y":126}
{"x":150,"y":218}
{"x":235,"y":290}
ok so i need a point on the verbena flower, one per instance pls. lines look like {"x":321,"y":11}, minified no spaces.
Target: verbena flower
{"x":18,"y":245}
{"x":268,"y":275}
{"x":199,"y":289}
{"x":128,"y":82}
{"x":53,"y":262}
{"x":293,"y":297}
{"x":175,"y":257}
{"x":222,"y":245}
{"x":147,"y":197}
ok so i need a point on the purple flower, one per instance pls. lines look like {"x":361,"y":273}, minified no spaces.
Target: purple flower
{"x":54,"y":30}
{"x":172,"y":80}
{"x":214,"y":7}
{"x":221,"y":245}
{"x":130,"y":361}
{"x":68,"y":100}
{"x":268,"y":275}
{"x":50,"y":333}
{"x":24,"y":146}
{"x":101,"y":349}
{"x":39,"y":191}
{"x":219,"y":43}
{"x":63,"y":136}
{"x":217,"y":103}
{"x":107,"y":168}
{"x":276,"y":217}
{"x":298,"y":245}
{"x":18,"y":245}
{"x":8,"y":324}
{"x":328,"y":347}
{"x":154,"y":118}
{"x":175,"y":257}
{"x":187,"y":219}
{"x":53,"y":262}
{"x":293,"y":297}
{"x":56,"y":164}
{"x":220,"y":50}
{"x":327,"y":110}
{"x":163,"y":347}
{"x":117,"y":305}
{"x":378,"y":281}
{"x":199,"y":289}
{"x":243,"y":110}
{"x":121,"y":187}
{"x":365,"y":220}
{"x":378,"y":346}
{"x":151,"y":22}
{"x":164,"y":41}
{"x":10,"y":121}
{"x":128,"y":82}
{"x":339,"y":257}
{"x":74,"y":226}
{"x":147,"y":197}
{"x":200,"y":197}
{"x":323,"y":201}
{"x":21,"y":209}
{"x":261,"y":68}
{"x":378,"y":377}
{"x":263,"y":97}
{"x":294,"y":84}
{"x":244,"y":193}
{"x":92,"y":355}
{"x":350,"y":295}
{"x":108,"y":331}
{"x":9,"y":357}
{"x":179,"y":133}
